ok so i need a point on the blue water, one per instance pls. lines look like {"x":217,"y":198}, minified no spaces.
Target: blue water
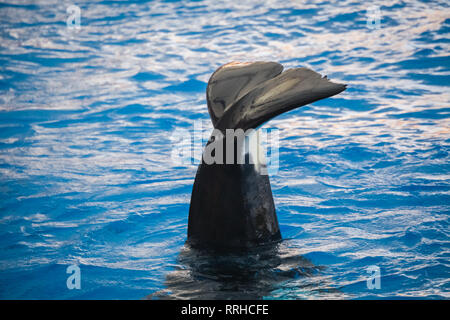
{"x":86,"y":178}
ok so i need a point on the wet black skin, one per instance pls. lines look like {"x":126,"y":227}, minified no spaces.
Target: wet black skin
{"x":232,"y":206}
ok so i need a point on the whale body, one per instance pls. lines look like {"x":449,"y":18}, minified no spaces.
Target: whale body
{"x":232,"y":206}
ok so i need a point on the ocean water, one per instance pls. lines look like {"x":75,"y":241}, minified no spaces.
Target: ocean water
{"x":86,"y":176}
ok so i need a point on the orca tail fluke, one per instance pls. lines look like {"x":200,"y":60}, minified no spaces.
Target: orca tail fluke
{"x":233,"y":80}
{"x":288,"y":90}
{"x":231,"y":203}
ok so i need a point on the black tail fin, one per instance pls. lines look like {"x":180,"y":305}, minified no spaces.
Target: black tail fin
{"x":245,"y":96}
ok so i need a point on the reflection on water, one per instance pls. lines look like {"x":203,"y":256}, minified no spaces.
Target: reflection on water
{"x":262,"y":272}
{"x":86,"y":118}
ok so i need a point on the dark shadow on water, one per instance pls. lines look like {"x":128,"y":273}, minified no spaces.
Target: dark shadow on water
{"x":271,"y":271}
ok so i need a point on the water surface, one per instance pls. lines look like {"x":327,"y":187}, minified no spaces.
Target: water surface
{"x":86,"y":178}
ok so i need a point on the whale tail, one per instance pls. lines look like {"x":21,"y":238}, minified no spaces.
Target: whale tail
{"x":245,"y":95}
{"x":232,"y":204}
